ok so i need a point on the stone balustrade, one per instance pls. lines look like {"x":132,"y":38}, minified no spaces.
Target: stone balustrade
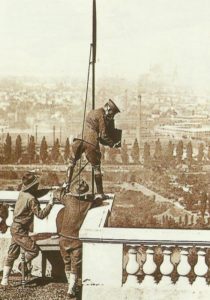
{"x":167,"y":263}
{"x":140,"y":263}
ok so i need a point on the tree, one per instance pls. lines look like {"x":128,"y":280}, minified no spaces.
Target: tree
{"x":147,"y":155}
{"x":49,"y":178}
{"x":200,"y":153}
{"x":158,"y":150}
{"x":203,"y":203}
{"x":189,"y":153}
{"x":43,"y":150}
{"x":55,"y":153}
{"x":189,"y":201}
{"x":18,"y":148}
{"x":135,"y":151}
{"x":179,"y":151}
{"x":8,"y":149}
{"x":169,"y":153}
{"x":67,"y":150}
{"x":124,"y":153}
{"x":31,"y":149}
{"x":185,"y":219}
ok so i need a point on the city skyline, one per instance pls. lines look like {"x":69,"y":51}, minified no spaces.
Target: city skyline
{"x":52,"y":38}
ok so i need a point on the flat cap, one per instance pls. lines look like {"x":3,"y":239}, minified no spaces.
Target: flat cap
{"x":113,"y":106}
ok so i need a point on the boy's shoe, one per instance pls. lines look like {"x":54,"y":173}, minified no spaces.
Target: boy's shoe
{"x":5,"y":277}
{"x":72,"y":281}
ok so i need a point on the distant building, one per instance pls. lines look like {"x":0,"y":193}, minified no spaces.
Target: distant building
{"x":181,"y":131}
{"x":188,"y":127}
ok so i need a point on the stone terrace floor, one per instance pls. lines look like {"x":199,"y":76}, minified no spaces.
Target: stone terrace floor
{"x":38,"y":289}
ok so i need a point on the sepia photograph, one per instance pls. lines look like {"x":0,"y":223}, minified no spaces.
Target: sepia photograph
{"x":104,"y":149}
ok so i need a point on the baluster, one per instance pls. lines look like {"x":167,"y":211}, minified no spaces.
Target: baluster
{"x":166,"y":267}
{"x":132,"y":268}
{"x":149,"y":267}
{"x":201,"y":268}
{"x":183,"y":268}
{"x":208,"y":264}
{"x":9,"y":219}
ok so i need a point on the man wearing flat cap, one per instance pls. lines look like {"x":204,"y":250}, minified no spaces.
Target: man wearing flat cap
{"x":99,"y":128}
{"x":26,"y":207}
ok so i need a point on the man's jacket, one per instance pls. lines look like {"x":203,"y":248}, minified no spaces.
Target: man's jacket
{"x":25,"y":208}
{"x":97,"y":128}
{"x":74,"y":213}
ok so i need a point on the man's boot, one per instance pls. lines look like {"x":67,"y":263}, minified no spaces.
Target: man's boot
{"x":99,"y":184}
{"x":72,"y":281}
{"x":5,"y":277}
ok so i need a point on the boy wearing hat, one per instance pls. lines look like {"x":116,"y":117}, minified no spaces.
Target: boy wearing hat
{"x":26,"y":207}
{"x":99,"y":125}
{"x":76,"y":205}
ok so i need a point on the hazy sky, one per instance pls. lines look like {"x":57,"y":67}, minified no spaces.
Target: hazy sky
{"x":52,"y":37}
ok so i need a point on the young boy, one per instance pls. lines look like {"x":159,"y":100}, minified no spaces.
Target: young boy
{"x":26,"y":207}
{"x":77,"y":203}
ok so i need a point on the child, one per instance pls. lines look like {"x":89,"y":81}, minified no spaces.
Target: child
{"x":26,"y":207}
{"x":77,"y":203}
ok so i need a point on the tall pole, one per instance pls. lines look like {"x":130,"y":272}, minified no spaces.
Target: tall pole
{"x":60,"y":134}
{"x":36,"y":134}
{"x":53,"y":134}
{"x":2,"y":135}
{"x":94,"y":33}
{"x":139,"y":120}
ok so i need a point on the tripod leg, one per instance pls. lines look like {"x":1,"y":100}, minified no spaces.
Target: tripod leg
{"x":23,"y":281}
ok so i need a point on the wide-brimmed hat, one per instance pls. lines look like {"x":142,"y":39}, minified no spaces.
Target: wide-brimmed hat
{"x":79,"y":188}
{"x":29,"y":180}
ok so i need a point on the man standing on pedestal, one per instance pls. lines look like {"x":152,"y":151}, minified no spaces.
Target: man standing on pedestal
{"x":99,"y":128}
